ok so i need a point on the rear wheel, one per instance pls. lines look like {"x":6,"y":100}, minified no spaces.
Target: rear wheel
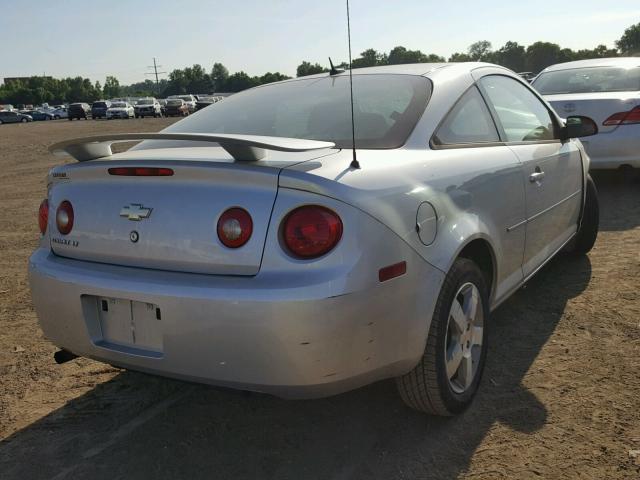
{"x":588,"y":231}
{"x":447,"y":377}
{"x":24,"y":120}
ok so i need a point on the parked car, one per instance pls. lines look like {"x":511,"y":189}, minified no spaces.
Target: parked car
{"x":148,"y":107}
{"x":38,"y":115}
{"x":206,"y":100}
{"x":60,"y":112}
{"x":78,"y":110}
{"x":7,"y":116}
{"x":317,"y":268}
{"x":99,"y":109}
{"x":120,"y":110}
{"x":176,"y":107}
{"x":190,"y":101}
{"x":607,"y":90}
{"x":528,"y":76}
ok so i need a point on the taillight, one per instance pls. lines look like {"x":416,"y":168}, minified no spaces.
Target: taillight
{"x":141,"y":171}
{"x":311,"y":231}
{"x":624,"y":118}
{"x":235,"y":227}
{"x":43,"y":216}
{"x":64,"y":217}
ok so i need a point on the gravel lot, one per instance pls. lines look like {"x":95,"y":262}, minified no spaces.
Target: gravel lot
{"x":560,"y":397}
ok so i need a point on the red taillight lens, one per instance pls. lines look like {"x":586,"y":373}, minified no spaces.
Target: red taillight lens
{"x":624,"y":118}
{"x":43,"y":216}
{"x":64,"y":217}
{"x":311,"y":231}
{"x":235,"y":227}
{"x":141,"y":171}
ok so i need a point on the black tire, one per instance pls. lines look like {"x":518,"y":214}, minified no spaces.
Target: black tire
{"x":427,"y":388}
{"x":57,"y":117}
{"x":24,"y":120}
{"x":588,"y":231}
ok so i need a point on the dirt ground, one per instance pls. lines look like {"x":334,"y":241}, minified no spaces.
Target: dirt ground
{"x":560,"y":397}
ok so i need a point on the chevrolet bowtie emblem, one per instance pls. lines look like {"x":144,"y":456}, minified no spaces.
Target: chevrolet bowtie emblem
{"x":135,"y":212}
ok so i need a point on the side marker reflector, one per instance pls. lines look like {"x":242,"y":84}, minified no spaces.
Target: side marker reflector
{"x":392,"y":271}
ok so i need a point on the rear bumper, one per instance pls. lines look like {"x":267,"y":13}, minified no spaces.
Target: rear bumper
{"x":117,"y":115}
{"x":275,"y":333}
{"x":614,"y":149}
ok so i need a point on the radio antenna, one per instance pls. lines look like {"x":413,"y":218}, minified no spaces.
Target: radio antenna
{"x":354,"y":162}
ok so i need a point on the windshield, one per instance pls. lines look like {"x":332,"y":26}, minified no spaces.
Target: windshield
{"x":386,"y":109}
{"x":145,"y":101}
{"x":186,"y":98}
{"x":587,"y":80}
{"x":118,"y":105}
{"x":100,"y":104}
{"x":174,"y":102}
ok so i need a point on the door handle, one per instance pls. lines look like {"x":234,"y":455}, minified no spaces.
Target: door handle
{"x":536,"y":176}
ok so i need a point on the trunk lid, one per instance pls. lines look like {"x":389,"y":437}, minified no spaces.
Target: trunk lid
{"x":182,"y":210}
{"x":598,"y":105}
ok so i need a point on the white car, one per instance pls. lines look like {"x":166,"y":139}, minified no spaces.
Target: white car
{"x":120,"y":110}
{"x":147,"y":107}
{"x":606,"y":90}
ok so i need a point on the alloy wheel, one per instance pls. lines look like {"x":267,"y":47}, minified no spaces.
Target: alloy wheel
{"x":465,"y":333}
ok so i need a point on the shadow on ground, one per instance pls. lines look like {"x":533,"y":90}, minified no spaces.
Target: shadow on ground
{"x":619,"y":194}
{"x":139,"y":426}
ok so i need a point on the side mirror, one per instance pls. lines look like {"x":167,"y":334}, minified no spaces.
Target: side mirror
{"x":578,"y":127}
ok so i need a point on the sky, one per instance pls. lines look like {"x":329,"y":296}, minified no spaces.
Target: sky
{"x":94,"y":38}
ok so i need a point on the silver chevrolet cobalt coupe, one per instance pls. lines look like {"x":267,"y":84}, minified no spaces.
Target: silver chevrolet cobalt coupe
{"x":244,"y":246}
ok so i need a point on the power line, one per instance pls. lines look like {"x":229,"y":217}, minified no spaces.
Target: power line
{"x":156,"y":73}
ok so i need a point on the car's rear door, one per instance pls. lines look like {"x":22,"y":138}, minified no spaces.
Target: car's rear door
{"x":552,"y":169}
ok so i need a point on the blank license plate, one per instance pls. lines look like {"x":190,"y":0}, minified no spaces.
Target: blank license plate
{"x":130,"y":323}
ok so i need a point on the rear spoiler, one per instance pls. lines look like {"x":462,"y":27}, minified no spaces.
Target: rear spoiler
{"x":243,"y":148}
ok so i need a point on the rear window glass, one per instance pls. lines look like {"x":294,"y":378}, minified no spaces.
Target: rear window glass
{"x":100,"y":104}
{"x":173,"y":103}
{"x":386,"y":109}
{"x":588,"y":80}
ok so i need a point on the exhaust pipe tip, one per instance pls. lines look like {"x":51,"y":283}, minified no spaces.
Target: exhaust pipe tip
{"x":63,"y":356}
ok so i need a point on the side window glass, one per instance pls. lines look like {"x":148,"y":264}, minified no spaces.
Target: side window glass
{"x":524,"y":118}
{"x":468,"y":122}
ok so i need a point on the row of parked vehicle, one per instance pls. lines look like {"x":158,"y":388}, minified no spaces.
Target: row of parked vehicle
{"x":175,"y":105}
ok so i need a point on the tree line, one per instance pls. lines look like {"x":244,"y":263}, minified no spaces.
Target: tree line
{"x":196,"y":79}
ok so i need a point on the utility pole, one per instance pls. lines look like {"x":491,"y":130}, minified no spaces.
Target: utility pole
{"x":155,"y":72}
